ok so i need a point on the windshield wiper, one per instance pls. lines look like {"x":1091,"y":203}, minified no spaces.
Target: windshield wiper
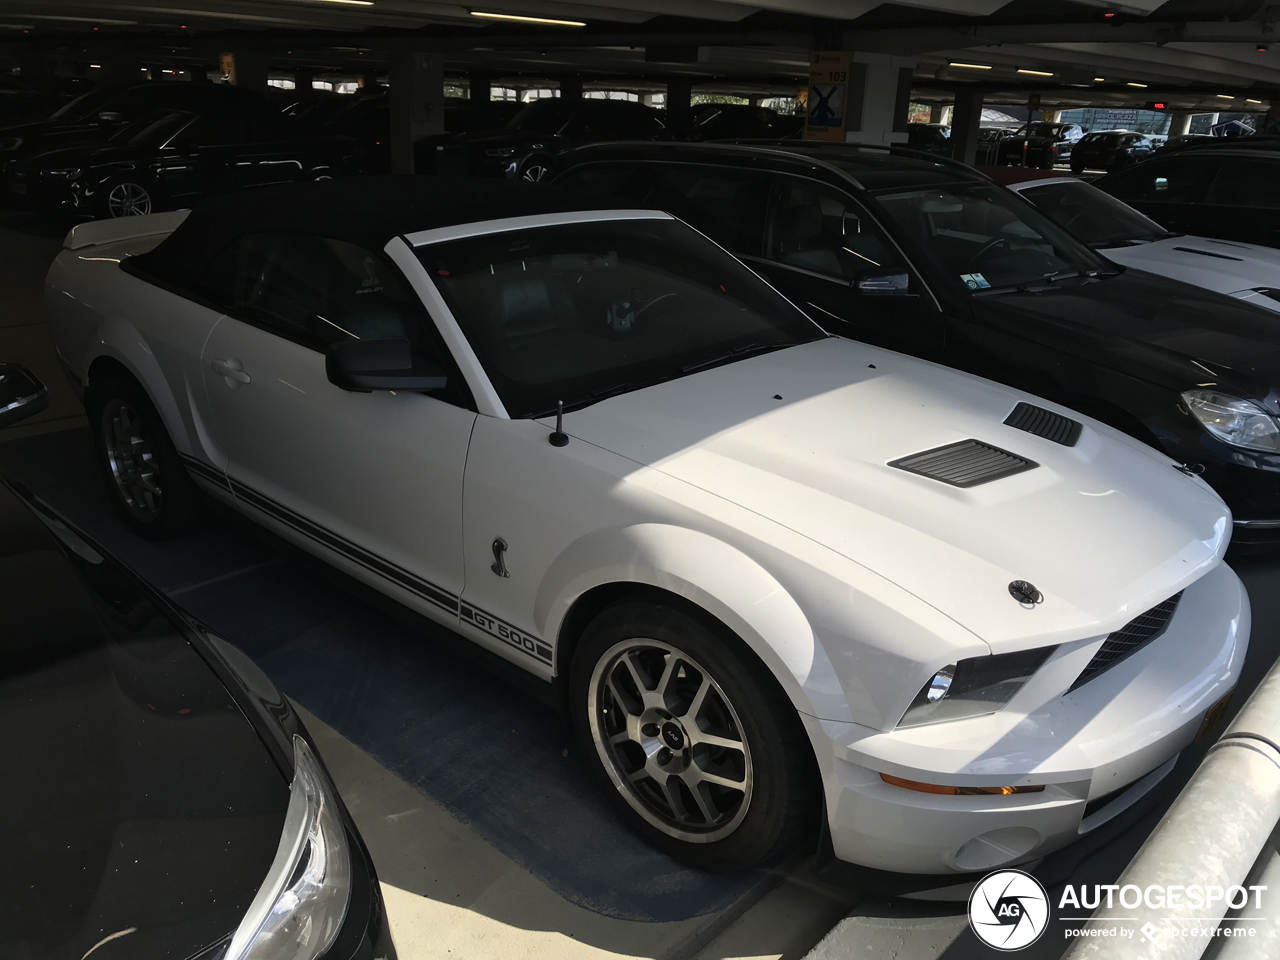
{"x":737,"y":353}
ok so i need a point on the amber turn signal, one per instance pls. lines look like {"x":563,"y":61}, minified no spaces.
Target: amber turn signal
{"x":958,"y":791}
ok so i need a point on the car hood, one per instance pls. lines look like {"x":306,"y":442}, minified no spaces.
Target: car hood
{"x":148,"y":806}
{"x":1221,"y":265}
{"x":806,"y":437}
{"x":1148,"y":326}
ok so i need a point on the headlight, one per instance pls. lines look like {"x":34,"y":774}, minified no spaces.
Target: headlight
{"x":63,"y":173}
{"x":300,"y":905}
{"x":500,"y":152}
{"x":10,"y":143}
{"x":973,"y":687}
{"x":1241,"y":423}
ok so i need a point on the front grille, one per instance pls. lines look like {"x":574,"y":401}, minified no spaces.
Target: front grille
{"x":965,"y":464}
{"x":1129,"y":639}
{"x":1045,"y":423}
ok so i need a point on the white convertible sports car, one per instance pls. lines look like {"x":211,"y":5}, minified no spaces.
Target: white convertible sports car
{"x":774,"y":575}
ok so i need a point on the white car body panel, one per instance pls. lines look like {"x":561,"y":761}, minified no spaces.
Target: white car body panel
{"x":1224,"y":266}
{"x":760,"y":491}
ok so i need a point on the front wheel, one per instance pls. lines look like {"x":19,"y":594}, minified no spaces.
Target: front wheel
{"x":535,"y":168}
{"x":144,"y":476}
{"x":691,"y":739}
{"x":128,"y":198}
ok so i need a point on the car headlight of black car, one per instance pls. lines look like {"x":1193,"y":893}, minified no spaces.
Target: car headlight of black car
{"x":1241,"y":423}
{"x":973,"y":687}
{"x":300,"y":906}
{"x":501,"y":152}
{"x":62,"y":173}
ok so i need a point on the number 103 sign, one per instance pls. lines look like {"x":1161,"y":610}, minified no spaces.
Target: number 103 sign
{"x":828,"y":97}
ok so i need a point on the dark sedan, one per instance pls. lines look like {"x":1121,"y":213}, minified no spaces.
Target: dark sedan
{"x":729,"y":121}
{"x":1040,"y":144}
{"x":931,"y":258}
{"x":162,"y":799}
{"x":1110,"y":150}
{"x":930,"y":137}
{"x":527,"y":146}
{"x":1231,"y":191}
{"x":172,"y":158}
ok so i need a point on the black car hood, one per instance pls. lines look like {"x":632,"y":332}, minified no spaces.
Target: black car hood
{"x":1151,"y":327}
{"x":141,"y":806}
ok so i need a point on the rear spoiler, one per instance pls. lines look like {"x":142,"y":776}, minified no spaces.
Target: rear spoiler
{"x":125,"y":228}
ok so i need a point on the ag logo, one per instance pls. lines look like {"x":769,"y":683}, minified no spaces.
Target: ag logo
{"x":1008,"y":910}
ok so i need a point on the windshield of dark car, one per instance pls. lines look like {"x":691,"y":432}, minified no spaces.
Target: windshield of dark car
{"x":154,"y":129}
{"x":79,"y":108}
{"x":577,"y":311}
{"x":1097,"y":218}
{"x":983,"y":237}
{"x":541,"y":116}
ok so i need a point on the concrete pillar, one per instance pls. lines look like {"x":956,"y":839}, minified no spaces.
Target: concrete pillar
{"x":198,"y":72}
{"x":480,"y":83}
{"x":1179,"y":123}
{"x":1051,"y":114}
{"x":879,"y":96}
{"x":966,"y":119}
{"x":245,"y":68}
{"x":117,"y":66}
{"x":303,"y":77}
{"x":679,"y":102}
{"x":936,"y":111}
{"x":417,"y":102}
{"x":570,"y":87}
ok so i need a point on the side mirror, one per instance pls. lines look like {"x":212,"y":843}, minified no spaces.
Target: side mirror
{"x":109,"y":116}
{"x":22,"y":394}
{"x":367,"y":365}
{"x":884,"y":283}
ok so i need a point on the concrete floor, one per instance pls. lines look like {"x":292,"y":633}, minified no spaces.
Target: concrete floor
{"x":485,"y":834}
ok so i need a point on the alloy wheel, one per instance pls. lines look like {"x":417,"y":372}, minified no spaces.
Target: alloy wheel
{"x":128,"y":200}
{"x":534,"y":172}
{"x":670,"y":740}
{"x":131,"y":460}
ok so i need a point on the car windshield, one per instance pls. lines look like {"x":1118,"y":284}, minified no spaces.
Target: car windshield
{"x":541,"y":116}
{"x":1097,"y":218}
{"x":985,"y":238}
{"x":154,"y":129}
{"x":81,"y":107}
{"x":580,"y":312}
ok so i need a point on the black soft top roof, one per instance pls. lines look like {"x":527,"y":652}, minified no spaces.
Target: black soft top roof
{"x":367,"y":211}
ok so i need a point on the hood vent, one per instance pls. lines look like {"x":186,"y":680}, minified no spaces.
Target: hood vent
{"x":965,"y":464}
{"x":1129,"y":639}
{"x":1045,"y":423}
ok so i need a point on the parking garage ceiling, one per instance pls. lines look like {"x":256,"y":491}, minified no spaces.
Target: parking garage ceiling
{"x":1201,"y":54}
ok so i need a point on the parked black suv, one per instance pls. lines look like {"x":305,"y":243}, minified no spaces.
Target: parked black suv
{"x":1110,"y":150}
{"x":929,"y":257}
{"x":1040,"y":144}
{"x":1231,"y":192}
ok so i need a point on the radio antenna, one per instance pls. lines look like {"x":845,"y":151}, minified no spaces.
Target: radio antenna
{"x":559,"y":438}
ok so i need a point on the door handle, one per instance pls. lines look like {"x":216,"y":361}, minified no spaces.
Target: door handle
{"x":231,"y":369}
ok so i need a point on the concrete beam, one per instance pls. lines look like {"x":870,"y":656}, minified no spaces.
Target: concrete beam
{"x":417,"y":102}
{"x":966,"y":121}
{"x":878,"y":99}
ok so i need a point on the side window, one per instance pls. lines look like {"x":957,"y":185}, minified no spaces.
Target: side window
{"x":621,"y":180}
{"x":1184,"y":180}
{"x":815,"y":228}
{"x":725,"y":204}
{"x":1247,"y":183}
{"x":316,"y":291}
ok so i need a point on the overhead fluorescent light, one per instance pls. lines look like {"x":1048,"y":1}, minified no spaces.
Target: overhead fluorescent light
{"x":1140,"y":86}
{"x":970,"y":66}
{"x":1225,"y":96}
{"x":518,"y":19}
{"x":1247,"y":100}
{"x":1035,"y":73}
{"x":95,"y":66}
{"x":353,"y":3}
{"x":1099,"y":79}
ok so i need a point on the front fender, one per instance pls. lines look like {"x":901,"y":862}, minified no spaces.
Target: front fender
{"x":710,"y":573}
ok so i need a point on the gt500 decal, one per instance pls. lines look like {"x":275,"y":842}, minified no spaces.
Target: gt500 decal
{"x":506,"y":633}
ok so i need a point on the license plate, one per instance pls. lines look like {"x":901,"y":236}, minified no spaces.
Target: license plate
{"x":1214,"y":714}
{"x":18,"y":188}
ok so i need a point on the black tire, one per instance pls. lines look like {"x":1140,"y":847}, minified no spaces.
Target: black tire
{"x":776,"y":811}
{"x":144,"y":475}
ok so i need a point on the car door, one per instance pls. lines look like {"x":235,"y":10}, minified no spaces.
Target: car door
{"x":819,"y":244}
{"x":371,"y":481}
{"x":1246,"y":195}
{"x":1170,"y":191}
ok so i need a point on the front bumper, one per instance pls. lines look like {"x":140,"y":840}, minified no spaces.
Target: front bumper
{"x":1112,"y":739}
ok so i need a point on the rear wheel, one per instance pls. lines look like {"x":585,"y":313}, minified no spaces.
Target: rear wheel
{"x":144,"y":476}
{"x":691,"y":739}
